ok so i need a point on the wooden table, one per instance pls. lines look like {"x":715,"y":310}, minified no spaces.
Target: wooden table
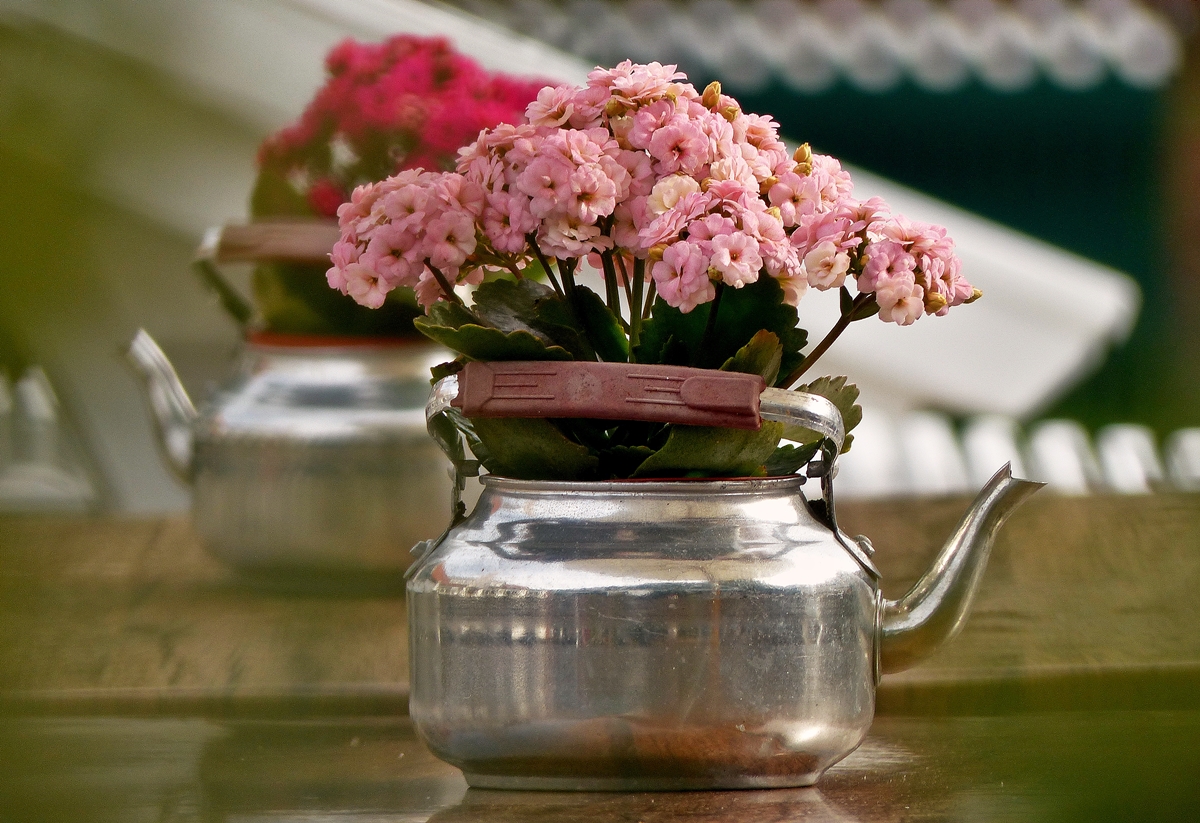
{"x":140,"y":679}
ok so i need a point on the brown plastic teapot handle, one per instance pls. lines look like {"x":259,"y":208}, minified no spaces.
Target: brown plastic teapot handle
{"x":610,"y":391}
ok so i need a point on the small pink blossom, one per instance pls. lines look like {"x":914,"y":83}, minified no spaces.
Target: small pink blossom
{"x":552,"y":108}
{"x":682,"y":277}
{"x":365,"y":285}
{"x":670,"y":190}
{"x":736,"y":257}
{"x":826,"y":266}
{"x":450,"y":239}
{"x":679,"y":146}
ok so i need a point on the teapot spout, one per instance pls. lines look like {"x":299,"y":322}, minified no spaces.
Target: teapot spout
{"x":170,"y":406}
{"x":935,"y":609}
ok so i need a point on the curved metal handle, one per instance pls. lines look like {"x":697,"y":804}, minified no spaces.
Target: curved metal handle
{"x":294,"y":240}
{"x":170,"y":405}
{"x":806,"y":411}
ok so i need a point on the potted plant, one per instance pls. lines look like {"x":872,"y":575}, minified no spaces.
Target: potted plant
{"x":643,"y":598}
{"x":298,"y":461}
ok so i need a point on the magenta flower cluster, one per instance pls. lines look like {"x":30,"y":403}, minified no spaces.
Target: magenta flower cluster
{"x":640,"y":173}
{"x":408,"y":102}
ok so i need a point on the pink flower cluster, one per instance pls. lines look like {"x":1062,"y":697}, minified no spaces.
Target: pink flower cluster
{"x":638,"y":166}
{"x":408,"y":230}
{"x":408,"y":102}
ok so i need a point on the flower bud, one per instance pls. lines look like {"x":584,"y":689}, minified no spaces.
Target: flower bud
{"x":711,"y":96}
{"x":934,"y":302}
{"x":803,"y":158}
{"x":656,"y":252}
{"x":614,"y":106}
{"x":730,"y":113}
{"x":975,"y":295}
{"x":715,"y":275}
{"x":765,"y":186}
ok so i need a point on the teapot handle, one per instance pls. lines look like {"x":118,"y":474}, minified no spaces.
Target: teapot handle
{"x":289,"y":240}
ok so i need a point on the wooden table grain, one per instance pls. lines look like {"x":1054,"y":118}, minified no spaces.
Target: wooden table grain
{"x":114,"y":612}
{"x":1085,"y":766}
{"x":142,"y":680}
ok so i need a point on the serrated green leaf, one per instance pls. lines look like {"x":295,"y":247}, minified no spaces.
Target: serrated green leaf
{"x":525,"y":305}
{"x":789,"y":458}
{"x":760,"y":356}
{"x":701,"y":451}
{"x":743,"y":313}
{"x":458,"y":328}
{"x":841,"y":394}
{"x":531,"y":449}
{"x":486,"y":343}
{"x":622,"y":461}
{"x":451,"y":315}
{"x":603,"y":328}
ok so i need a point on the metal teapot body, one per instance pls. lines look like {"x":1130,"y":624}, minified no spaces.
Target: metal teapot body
{"x":642,"y":635}
{"x":686,"y":634}
{"x":307,"y":457}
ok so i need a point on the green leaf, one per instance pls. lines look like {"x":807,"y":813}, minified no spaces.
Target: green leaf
{"x":701,"y":451}
{"x":843,"y":395}
{"x":274,"y":196}
{"x":602,"y":326}
{"x":457,"y":328}
{"x":760,"y":356}
{"x":486,"y":343}
{"x":525,"y":305}
{"x":622,"y":461}
{"x":789,"y":459}
{"x":744,"y":312}
{"x":531,"y":449}
{"x":869,"y":309}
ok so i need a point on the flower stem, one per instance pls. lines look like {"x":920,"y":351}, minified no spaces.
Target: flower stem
{"x":635,"y":303}
{"x":648,"y":307}
{"x":710,"y":326}
{"x":625,"y":282}
{"x":610,"y":283}
{"x":447,"y":289}
{"x":860,"y":302}
{"x":532,"y":241}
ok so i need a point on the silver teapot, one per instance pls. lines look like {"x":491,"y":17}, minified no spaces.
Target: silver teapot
{"x":679,"y":634}
{"x":307,"y":458}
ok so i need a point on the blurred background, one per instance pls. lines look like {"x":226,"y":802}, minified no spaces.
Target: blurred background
{"x":1060,"y":142}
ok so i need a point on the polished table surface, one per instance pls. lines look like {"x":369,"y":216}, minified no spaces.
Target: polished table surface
{"x":1025,"y":768}
{"x":141,"y":680}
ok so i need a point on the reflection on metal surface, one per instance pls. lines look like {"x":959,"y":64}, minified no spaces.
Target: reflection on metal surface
{"x":1066,"y":766}
{"x":936,"y":607}
{"x":308,"y":457}
{"x":40,"y":468}
{"x":664,"y":635}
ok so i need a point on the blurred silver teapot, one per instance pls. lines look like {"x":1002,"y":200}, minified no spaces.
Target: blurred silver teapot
{"x":311,"y":458}
{"x":313,"y":454}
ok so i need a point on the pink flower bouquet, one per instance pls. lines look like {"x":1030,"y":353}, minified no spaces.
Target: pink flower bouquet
{"x":705,"y":229}
{"x":405,"y":103}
